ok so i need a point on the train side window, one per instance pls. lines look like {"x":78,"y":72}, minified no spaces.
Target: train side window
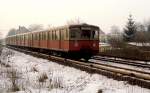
{"x":75,"y":33}
{"x":28,"y":36}
{"x":96,"y":35}
{"x":66,"y":30}
{"x":22,"y":37}
{"x":40,"y":36}
{"x":57,"y":35}
{"x":33,"y":36}
{"x":46,"y":35}
{"x":49,"y":35}
{"x":53,"y":35}
{"x":43,"y":36}
{"x":36,"y":36}
{"x":62,"y":35}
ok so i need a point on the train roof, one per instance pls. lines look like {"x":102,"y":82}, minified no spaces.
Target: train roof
{"x":82,"y":25}
{"x":60,"y":27}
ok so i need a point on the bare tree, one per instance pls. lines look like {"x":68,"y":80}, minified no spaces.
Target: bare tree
{"x":36,"y":27}
{"x":116,"y":42}
{"x":12,"y":32}
{"x":115,"y":37}
{"x":140,"y":27}
{"x":140,"y":37}
{"x":115,"y":30}
{"x":74,"y":21}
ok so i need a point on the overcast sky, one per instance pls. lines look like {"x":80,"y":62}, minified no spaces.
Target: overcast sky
{"x":103,"y":13}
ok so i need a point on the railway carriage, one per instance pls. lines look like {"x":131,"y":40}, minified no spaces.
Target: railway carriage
{"x":76,"y":41}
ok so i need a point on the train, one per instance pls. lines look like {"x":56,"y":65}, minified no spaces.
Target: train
{"x":74,"y":41}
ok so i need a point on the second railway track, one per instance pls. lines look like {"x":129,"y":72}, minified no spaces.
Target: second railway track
{"x":122,"y":61}
{"x":132,"y":76}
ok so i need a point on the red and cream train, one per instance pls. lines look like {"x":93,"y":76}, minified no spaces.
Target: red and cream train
{"x":75,"y":41}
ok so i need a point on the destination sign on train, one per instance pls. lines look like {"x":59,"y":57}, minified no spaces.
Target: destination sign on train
{"x":85,"y":28}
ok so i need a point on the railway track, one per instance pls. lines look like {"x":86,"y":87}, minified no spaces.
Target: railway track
{"x":131,"y":76}
{"x":122,"y":61}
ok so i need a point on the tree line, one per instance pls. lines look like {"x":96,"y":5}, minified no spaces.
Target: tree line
{"x":133,"y":32}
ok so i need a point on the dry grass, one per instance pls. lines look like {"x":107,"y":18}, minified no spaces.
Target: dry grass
{"x":43,"y":77}
{"x":100,"y":91}
{"x":56,"y":82}
{"x":13,"y":74}
{"x":34,"y":69}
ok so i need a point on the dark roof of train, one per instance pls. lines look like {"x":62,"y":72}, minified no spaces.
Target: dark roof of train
{"x":60,"y":27}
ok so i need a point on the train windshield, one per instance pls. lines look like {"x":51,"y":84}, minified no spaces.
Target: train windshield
{"x":84,"y":33}
{"x":95,"y":34}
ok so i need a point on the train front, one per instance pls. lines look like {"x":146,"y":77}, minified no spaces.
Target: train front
{"x":84,"y":40}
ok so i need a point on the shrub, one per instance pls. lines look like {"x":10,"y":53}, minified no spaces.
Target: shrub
{"x":42,"y":77}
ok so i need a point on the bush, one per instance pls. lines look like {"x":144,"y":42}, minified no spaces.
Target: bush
{"x":13,"y":74}
{"x":42,"y":77}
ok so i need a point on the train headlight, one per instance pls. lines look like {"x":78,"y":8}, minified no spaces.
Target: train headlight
{"x":94,"y":45}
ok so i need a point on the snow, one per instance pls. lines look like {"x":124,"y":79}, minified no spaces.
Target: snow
{"x":104,"y":44}
{"x":61,"y":79}
{"x":139,"y":44}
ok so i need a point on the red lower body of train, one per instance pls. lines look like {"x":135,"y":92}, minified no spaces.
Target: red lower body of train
{"x":68,"y":48}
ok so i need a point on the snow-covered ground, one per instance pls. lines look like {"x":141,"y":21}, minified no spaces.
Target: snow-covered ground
{"x":139,"y":44}
{"x":36,"y":75}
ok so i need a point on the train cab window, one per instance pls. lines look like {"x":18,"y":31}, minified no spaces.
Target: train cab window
{"x":73,"y":34}
{"x":95,"y":34}
{"x":85,"y":34}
